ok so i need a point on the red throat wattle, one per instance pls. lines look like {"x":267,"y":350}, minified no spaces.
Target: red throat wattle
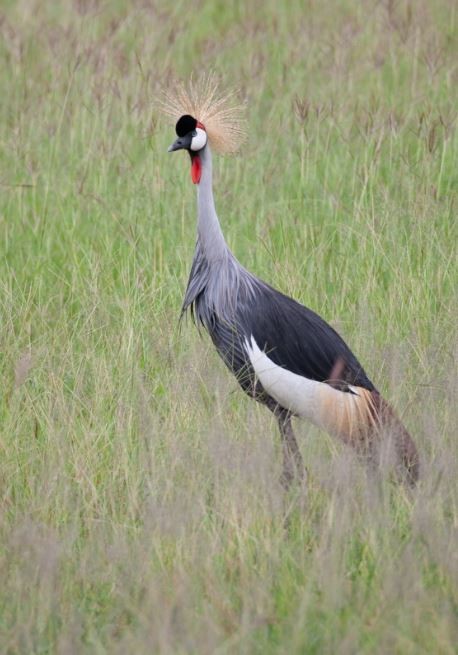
{"x":196,"y":169}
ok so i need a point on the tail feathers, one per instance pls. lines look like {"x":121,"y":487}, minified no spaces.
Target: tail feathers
{"x":390,"y":425}
{"x":364,"y":420}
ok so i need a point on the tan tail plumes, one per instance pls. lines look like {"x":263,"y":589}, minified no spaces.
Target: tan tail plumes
{"x":364,"y":420}
{"x":220,"y":113}
{"x":390,"y":425}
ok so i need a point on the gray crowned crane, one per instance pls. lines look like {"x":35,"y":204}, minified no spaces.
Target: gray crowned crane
{"x":282,"y":353}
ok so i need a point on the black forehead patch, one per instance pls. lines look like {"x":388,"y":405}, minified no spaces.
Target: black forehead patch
{"x":185,"y":124}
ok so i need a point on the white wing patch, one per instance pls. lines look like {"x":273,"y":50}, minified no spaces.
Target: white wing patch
{"x":335,"y":411}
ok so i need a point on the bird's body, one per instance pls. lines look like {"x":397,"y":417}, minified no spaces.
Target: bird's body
{"x":282,"y":353}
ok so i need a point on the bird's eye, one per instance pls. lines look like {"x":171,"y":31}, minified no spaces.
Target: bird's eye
{"x":199,"y":139}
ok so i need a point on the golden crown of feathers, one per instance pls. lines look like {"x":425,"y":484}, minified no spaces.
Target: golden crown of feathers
{"x":220,"y":113}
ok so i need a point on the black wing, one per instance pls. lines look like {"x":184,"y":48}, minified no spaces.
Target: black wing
{"x":299,"y":340}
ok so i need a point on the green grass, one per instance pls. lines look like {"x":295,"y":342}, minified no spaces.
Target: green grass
{"x":140,"y":505}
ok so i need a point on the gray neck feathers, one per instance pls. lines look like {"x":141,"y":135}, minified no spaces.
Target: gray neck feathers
{"x":217,"y":282}
{"x":210,"y":239}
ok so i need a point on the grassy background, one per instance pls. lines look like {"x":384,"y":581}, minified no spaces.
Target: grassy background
{"x":140,"y":505}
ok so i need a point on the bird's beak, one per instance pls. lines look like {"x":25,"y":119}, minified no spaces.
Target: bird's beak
{"x":182,"y":143}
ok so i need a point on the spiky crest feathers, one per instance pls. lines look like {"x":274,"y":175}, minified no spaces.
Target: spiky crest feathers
{"x":220,"y":113}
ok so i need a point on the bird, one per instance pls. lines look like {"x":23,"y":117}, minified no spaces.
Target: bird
{"x":283,"y":354}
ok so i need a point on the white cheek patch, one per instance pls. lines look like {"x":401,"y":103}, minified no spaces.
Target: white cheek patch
{"x":200,"y":140}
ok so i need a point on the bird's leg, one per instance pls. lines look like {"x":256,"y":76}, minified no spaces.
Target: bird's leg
{"x":293,"y":465}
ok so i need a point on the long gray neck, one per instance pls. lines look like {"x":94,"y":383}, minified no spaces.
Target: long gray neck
{"x":210,"y":238}
{"x":217,"y":282}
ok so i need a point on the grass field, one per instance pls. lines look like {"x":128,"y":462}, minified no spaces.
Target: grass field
{"x":141,"y":510}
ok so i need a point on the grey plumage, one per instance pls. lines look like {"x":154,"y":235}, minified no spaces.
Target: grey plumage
{"x":217,"y":281}
{"x":231,"y":303}
{"x":219,"y":288}
{"x":238,"y":309}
